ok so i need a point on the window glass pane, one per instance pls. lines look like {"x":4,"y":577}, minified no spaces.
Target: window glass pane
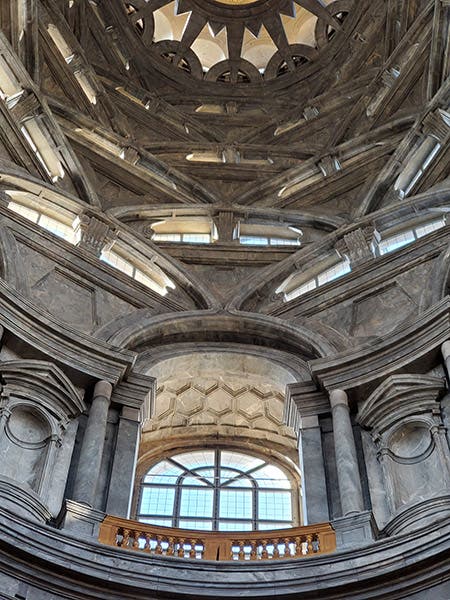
{"x":334,"y":272}
{"x":284,"y":242}
{"x":166,"y":237}
{"x":206,"y":474}
{"x":117,"y":261}
{"x":277,"y":525}
{"x":396,"y":241}
{"x":231,"y":499}
{"x":252,"y":240}
{"x":196,"y":503}
{"x":243,"y":462}
{"x":191,"y":460}
{"x":192,"y":480}
{"x":163,"y":472}
{"x":271,"y":477}
{"x":58,"y":228}
{"x":235,"y":526}
{"x":235,"y":504}
{"x":429,"y":227}
{"x":157,"y":501}
{"x":230,"y":475}
{"x":147,"y":281}
{"x":196,"y":524}
{"x":274,"y":506}
{"x":157,"y":521}
{"x":196,"y":238}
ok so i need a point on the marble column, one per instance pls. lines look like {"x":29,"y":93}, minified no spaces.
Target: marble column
{"x":124,"y":463}
{"x":92,"y":447}
{"x":346,"y":459}
{"x":314,"y":484}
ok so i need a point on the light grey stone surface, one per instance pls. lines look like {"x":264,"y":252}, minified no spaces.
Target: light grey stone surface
{"x":346,"y":459}
{"x":314,"y":485}
{"x":124,"y":464}
{"x":90,"y":460}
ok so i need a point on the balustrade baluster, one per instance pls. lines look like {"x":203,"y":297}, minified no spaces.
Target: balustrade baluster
{"x":171,"y":547}
{"x":241,"y":554}
{"x":119,"y":537}
{"x":287,"y":547}
{"x":264,"y":553}
{"x":158,"y":548}
{"x":136,"y":536}
{"x":126,"y":538}
{"x":302,"y":542}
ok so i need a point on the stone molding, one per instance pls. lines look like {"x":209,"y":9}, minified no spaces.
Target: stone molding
{"x":355,"y":369}
{"x":398,"y":397}
{"x":45,"y":381}
{"x":22,"y":501}
{"x":59,"y":341}
{"x":129,"y":574}
{"x":304,"y":399}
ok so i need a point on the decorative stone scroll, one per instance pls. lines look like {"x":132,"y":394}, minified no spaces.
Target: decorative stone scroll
{"x":404,"y":417}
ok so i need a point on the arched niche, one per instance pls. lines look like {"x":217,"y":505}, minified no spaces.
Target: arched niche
{"x":24,"y":449}
{"x":404,"y":419}
{"x":38,"y":405}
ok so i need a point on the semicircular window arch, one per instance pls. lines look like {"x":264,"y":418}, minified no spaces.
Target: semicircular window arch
{"x":217,"y":490}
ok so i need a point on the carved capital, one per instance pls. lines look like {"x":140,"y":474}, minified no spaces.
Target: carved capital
{"x":329,"y":165}
{"x":437,"y":124}
{"x":356,"y":245}
{"x":310,"y":112}
{"x":26,"y":107}
{"x":92,"y":234}
{"x":389,"y":77}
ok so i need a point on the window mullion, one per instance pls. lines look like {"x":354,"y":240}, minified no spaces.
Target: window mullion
{"x":216,"y":498}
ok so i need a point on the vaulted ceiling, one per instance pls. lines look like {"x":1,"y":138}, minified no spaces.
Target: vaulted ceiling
{"x":323,"y":131}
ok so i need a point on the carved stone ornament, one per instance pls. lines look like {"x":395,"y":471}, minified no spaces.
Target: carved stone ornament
{"x":404,"y":418}
{"x":92,"y":234}
{"x":356,"y":245}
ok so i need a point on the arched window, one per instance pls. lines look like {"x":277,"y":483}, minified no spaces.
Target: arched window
{"x":219,"y":490}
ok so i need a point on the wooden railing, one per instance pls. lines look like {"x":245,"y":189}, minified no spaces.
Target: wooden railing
{"x":297,"y":542}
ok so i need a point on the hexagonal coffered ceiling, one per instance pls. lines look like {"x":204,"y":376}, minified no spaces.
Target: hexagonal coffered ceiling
{"x":235,"y":41}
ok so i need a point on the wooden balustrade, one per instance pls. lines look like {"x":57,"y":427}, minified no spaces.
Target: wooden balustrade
{"x":296,"y":542}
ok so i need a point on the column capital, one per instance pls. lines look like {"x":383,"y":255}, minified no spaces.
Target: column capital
{"x":338,"y":397}
{"x":102,"y":388}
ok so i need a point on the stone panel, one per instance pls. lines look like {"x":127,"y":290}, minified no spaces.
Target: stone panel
{"x":66,"y":299}
{"x":378,"y":313}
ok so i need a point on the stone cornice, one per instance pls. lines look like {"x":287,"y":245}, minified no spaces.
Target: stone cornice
{"x":309,"y":400}
{"x":70,"y":563}
{"x":138,"y":391}
{"x":399,"y":396}
{"x":377,"y":272}
{"x":415,"y":342}
{"x":45,"y":379}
